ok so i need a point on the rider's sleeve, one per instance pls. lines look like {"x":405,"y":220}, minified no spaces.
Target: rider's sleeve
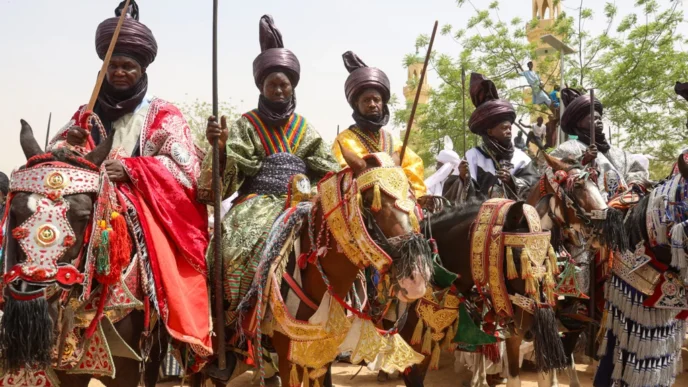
{"x":316,"y":154}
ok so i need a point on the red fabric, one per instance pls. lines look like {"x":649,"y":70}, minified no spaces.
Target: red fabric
{"x":184,"y":220}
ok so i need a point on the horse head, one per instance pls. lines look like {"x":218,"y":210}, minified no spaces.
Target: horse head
{"x":389,"y":208}
{"x":577,"y":206}
{"x":48,"y":213}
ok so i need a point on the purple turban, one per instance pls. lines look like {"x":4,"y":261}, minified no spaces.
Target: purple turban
{"x":362,"y":77}
{"x":274,"y":57}
{"x":489,"y":111}
{"x":681,"y":89}
{"x":4,"y":183}
{"x":135,"y":39}
{"x":577,"y":107}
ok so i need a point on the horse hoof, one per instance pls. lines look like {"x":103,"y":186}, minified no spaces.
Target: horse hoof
{"x":382,"y":377}
{"x":214,"y":372}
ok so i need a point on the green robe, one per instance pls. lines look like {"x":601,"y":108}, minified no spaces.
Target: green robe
{"x":247,"y":224}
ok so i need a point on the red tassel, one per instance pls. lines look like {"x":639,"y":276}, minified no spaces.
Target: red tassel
{"x":99,"y":314}
{"x":491,"y":352}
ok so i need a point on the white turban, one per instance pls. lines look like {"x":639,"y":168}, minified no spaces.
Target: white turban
{"x":450,"y":161}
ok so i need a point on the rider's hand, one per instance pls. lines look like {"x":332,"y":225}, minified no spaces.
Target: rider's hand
{"x":77,"y":136}
{"x":217,"y":131}
{"x":590,"y":154}
{"x":504,"y":175}
{"x":463,"y":169}
{"x":115,"y":171}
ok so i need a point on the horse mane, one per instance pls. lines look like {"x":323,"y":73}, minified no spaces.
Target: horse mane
{"x":449,"y":217}
{"x":635,"y":225}
{"x":62,"y":155}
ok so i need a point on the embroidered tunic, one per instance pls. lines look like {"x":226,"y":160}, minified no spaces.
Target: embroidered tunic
{"x":260,"y":161}
{"x":362,"y":143}
{"x":617,"y":167}
{"x":482,"y":170}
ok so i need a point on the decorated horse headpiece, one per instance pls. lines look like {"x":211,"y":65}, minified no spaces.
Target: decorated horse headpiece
{"x":46,"y":235}
{"x":388,"y":178}
{"x":562,"y":182}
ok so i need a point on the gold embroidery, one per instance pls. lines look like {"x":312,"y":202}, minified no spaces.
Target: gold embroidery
{"x":438,"y":316}
{"x":386,"y":353}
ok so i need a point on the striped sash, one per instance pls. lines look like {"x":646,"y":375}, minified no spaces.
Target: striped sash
{"x":278,"y":139}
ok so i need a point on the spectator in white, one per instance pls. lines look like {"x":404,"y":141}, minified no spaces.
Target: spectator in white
{"x":448,"y":163}
{"x":533,"y":79}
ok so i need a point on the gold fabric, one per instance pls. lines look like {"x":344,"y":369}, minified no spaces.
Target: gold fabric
{"x":247,"y":224}
{"x":412,"y":165}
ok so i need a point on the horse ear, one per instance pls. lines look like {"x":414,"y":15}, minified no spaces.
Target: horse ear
{"x":542,"y":206}
{"x":356,"y":163}
{"x":101,"y":152}
{"x":555,"y":163}
{"x":682,"y":166}
{"x":28,"y":141}
{"x":514,"y":217}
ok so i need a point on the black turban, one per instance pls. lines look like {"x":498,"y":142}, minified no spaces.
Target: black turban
{"x":362,"y":77}
{"x":489,"y":111}
{"x":135,"y":39}
{"x":4,"y":183}
{"x":274,"y":57}
{"x":577,"y":107}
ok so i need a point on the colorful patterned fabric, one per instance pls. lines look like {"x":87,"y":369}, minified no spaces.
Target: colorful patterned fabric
{"x":278,"y":140}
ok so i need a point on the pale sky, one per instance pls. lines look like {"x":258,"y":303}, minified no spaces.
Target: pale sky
{"x":48,"y":61}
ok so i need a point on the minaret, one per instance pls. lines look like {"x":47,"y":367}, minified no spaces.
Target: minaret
{"x":413,"y":75}
{"x":546,"y":13}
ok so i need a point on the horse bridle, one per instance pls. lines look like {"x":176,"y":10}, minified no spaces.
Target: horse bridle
{"x":587,"y":217}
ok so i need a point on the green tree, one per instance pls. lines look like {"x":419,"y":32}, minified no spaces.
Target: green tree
{"x":197,"y":113}
{"x":632,"y":64}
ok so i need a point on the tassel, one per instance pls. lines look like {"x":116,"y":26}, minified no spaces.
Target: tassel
{"x":102,"y":261}
{"x":427,"y":342}
{"x":553,"y":261}
{"x":359,"y":199}
{"x":435,"y":358}
{"x":531,"y":286}
{"x":119,"y":249}
{"x":418,"y":332}
{"x":511,"y":272}
{"x":525,"y":265}
{"x":448,"y":337}
{"x":377,"y":199}
{"x":306,"y":378}
{"x":294,"y":377}
{"x":315,"y":384}
{"x":549,"y":294}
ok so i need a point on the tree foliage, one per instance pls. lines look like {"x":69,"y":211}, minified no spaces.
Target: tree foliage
{"x":196,"y":114}
{"x":632,"y":64}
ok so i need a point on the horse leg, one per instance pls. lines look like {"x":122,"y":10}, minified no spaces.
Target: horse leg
{"x":158,"y":352}
{"x":478,"y":366}
{"x":513,"y":348}
{"x":328,"y":377}
{"x":128,"y":373}
{"x":573,"y":374}
{"x":569,"y":341}
{"x":73,"y":380}
{"x":547,"y":379}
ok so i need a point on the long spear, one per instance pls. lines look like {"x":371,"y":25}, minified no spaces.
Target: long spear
{"x":463,"y":102}
{"x":217,"y":229}
{"x":47,"y":133}
{"x":593,"y":281}
{"x":418,"y":89}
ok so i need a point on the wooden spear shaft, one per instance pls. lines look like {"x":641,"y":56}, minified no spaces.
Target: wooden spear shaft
{"x":217,"y":216}
{"x":593,"y":261}
{"x":47,"y":133}
{"x":106,"y":60}
{"x":418,"y":90}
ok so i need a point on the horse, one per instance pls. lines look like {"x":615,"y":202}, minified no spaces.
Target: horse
{"x":643,"y":325}
{"x":363,"y":220}
{"x":49,"y":213}
{"x":579,"y":218}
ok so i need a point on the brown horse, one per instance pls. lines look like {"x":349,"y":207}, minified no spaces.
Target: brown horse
{"x":34,"y":304}
{"x":334,"y":272}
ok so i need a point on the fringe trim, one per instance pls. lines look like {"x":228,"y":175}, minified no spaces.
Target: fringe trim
{"x":679,"y":261}
{"x":294,"y":377}
{"x":435,"y":358}
{"x":511,"y":272}
{"x":417,"y":332}
{"x":427,"y":342}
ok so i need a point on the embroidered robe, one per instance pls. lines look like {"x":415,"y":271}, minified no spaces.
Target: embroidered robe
{"x":248,"y":222}
{"x":363,"y":142}
{"x":156,"y":148}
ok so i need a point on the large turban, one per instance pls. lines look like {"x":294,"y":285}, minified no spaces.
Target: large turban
{"x":489,"y":111}
{"x":362,"y":77}
{"x":135,"y":39}
{"x":274,"y":57}
{"x":577,"y":107}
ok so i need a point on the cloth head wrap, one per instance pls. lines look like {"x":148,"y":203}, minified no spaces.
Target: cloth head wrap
{"x":362,"y":77}
{"x":682,"y":89}
{"x":4,"y":183}
{"x":577,"y":107}
{"x":135,"y":39}
{"x":274,"y":57}
{"x":489,"y":111}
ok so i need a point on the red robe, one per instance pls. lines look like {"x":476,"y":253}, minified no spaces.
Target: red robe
{"x":175,"y":225}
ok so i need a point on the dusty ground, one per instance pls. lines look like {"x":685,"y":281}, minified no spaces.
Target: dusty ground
{"x":445,"y":376}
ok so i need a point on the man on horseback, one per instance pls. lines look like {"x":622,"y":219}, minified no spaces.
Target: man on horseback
{"x":368,"y":92}
{"x":619,"y":169}
{"x":260,"y":154}
{"x":495,"y":168}
{"x":154,"y":165}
